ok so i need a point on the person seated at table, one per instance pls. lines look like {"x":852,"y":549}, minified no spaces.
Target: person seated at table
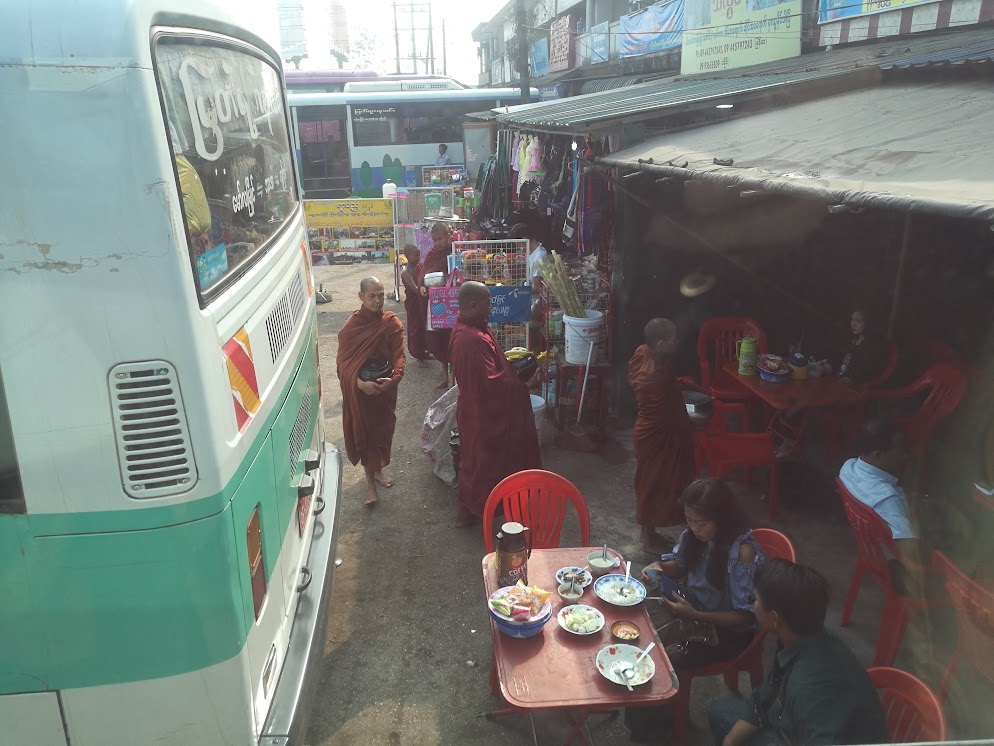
{"x":707,"y":579}
{"x":874,"y":480}
{"x":817,"y":692}
{"x":862,"y":358}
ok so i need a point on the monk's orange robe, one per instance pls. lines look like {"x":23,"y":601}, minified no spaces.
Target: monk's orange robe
{"x":369,"y":421}
{"x":664,"y":442}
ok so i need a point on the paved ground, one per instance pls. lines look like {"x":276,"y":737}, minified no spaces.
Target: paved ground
{"x":408,"y":646}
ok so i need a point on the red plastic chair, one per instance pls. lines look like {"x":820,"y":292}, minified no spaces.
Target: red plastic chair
{"x":873,"y":536}
{"x":775,"y":546}
{"x":727,"y":451}
{"x":716,"y":346}
{"x":974,"y":607}
{"x":943,"y":386}
{"x":536,"y":499}
{"x":912,"y":710}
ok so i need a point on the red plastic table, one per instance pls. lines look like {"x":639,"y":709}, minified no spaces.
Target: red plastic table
{"x":813,"y":393}
{"x":555,"y":670}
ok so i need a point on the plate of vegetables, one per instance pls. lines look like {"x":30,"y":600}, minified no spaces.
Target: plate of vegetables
{"x":580,"y":619}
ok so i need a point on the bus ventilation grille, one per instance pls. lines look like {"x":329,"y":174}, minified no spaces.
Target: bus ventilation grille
{"x":299,"y":431}
{"x":282,"y":320}
{"x":153,"y":439}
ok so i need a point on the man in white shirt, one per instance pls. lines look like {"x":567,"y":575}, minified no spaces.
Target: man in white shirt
{"x":873,"y":480}
{"x":443,"y":156}
{"x":536,"y":253}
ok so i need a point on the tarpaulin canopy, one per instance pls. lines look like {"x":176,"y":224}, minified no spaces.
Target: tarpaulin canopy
{"x":916,"y":147}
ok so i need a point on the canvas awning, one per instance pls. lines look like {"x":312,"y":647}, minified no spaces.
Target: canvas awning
{"x":913,"y":147}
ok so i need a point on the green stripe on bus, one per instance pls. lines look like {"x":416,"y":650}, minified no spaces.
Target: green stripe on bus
{"x":90,"y":603}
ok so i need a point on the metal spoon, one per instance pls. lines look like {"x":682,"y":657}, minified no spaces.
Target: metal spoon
{"x":604,"y":556}
{"x":628,"y":574}
{"x":628,"y":674}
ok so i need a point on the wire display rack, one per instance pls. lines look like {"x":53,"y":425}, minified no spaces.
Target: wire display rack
{"x":501,"y":262}
{"x":421,"y":204}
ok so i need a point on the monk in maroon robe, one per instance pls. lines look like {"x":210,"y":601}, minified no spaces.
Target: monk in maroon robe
{"x":663,"y":435}
{"x":437,"y":260}
{"x":497,"y":435}
{"x":369,"y":407}
{"x":413,"y":305}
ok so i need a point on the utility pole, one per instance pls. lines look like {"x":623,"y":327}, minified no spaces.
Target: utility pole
{"x":445,"y":52}
{"x":414,"y":43}
{"x":396,"y":34}
{"x":431,"y":43}
{"x":521,"y":32}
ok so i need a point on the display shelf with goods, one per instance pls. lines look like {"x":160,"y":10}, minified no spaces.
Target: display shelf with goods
{"x":415,"y":209}
{"x":564,"y":380}
{"x":497,"y":263}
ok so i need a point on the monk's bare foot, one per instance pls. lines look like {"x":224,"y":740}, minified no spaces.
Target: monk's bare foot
{"x":422,"y":363}
{"x":371,"y":497}
{"x":653,"y":543}
{"x":443,"y":386}
{"x":464,"y":519}
{"x":383,"y":479}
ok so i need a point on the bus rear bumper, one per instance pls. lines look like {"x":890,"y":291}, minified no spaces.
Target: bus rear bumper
{"x":290,"y":711}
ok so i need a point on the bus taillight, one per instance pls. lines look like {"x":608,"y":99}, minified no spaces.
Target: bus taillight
{"x":257,"y":572}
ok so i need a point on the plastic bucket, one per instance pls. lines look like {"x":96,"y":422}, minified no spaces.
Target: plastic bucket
{"x":538,"y":411}
{"x":581,"y":334}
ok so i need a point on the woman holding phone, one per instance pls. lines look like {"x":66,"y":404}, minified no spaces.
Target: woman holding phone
{"x":706,"y":581}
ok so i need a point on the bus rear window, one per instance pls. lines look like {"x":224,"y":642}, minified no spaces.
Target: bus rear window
{"x":228,"y":129}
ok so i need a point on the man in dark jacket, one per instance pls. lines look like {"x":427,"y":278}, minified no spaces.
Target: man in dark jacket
{"x":817,"y":692}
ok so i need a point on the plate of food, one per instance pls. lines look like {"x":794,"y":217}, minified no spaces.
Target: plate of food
{"x":614,"y":659}
{"x":614,"y":590}
{"x":567,"y":574}
{"x":773,"y":368}
{"x":580,"y":619}
{"x":520,"y":603}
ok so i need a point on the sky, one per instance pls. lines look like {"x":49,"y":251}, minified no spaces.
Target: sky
{"x":375,"y":19}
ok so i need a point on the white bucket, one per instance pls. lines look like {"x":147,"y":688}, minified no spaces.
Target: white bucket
{"x":538,"y":411}
{"x":581,"y":334}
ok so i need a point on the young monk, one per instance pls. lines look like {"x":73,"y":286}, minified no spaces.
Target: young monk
{"x":413,"y":305}
{"x":663,"y":435}
{"x":497,"y":435}
{"x":437,"y":260}
{"x":369,"y":407}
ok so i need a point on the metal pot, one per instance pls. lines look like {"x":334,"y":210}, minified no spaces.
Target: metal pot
{"x":700,"y":407}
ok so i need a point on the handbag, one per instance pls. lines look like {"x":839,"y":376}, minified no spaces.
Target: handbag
{"x":443,"y":303}
{"x":679,"y":634}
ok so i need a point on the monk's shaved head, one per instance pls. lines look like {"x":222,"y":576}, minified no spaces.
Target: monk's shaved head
{"x":659,"y":330}
{"x":474,"y":303}
{"x":473,"y":291}
{"x":371,"y":294}
{"x":368,"y":283}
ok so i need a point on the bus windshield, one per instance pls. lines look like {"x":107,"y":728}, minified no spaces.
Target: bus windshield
{"x":228,"y":128}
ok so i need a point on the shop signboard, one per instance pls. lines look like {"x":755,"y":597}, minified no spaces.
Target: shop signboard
{"x":356,"y":228}
{"x":540,"y":57}
{"x":510,"y":304}
{"x":600,"y":42}
{"x":654,"y":29}
{"x":562,"y":44}
{"x":728,"y":34}
{"x":551,"y":92}
{"x":836,"y":10}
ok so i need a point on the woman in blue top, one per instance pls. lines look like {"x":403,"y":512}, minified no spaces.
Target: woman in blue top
{"x":708,"y":578}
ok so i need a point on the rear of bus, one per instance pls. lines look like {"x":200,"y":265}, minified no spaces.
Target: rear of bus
{"x":167,"y":502}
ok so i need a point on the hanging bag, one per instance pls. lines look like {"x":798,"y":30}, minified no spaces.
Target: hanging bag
{"x":443,"y":303}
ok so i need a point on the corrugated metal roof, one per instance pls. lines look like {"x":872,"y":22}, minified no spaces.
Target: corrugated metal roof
{"x":939,"y":162}
{"x":609,"y":84}
{"x":647,"y":100}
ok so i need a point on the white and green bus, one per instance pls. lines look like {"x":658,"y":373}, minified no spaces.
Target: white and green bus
{"x":168,"y":506}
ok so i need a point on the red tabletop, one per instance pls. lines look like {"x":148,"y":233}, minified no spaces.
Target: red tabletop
{"x":813,"y":393}
{"x":555,"y":669}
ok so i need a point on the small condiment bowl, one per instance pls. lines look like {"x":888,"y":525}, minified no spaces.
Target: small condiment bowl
{"x":595,"y":560}
{"x":570,"y":592}
{"x":620,"y":627}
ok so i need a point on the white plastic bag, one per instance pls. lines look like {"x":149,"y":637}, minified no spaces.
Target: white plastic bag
{"x":435,"y":434}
